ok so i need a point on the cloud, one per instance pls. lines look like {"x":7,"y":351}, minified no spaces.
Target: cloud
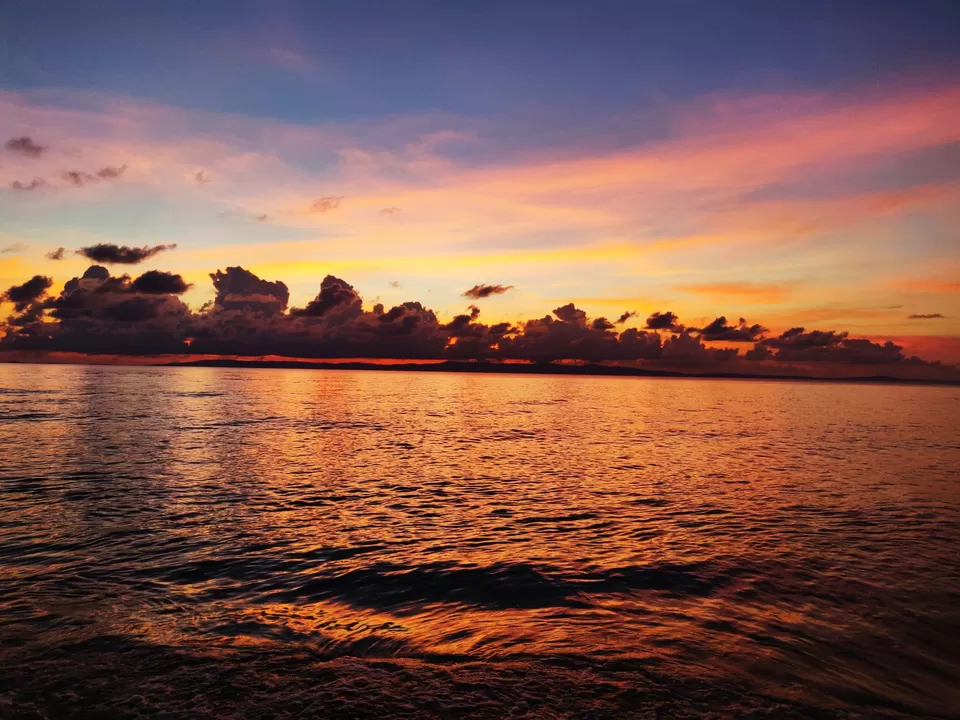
{"x":335,"y":296}
{"x":390,"y":211}
{"x":928,"y":316}
{"x":798,"y":345}
{"x":394,"y":283}
{"x":24,"y":146}
{"x":34,"y":184}
{"x":22,"y":296}
{"x":78,"y":178}
{"x":569,"y":313}
{"x":478,"y":292}
{"x":601,"y":323}
{"x":741,"y":332}
{"x":56,"y":254}
{"x":15,"y":248}
{"x":326,"y":204}
{"x":664,"y":321}
{"x":240,"y":289}
{"x":122,"y":254}
{"x":202,"y":177}
{"x":685,"y":349}
{"x":156,"y":282}
{"x":110,"y":173}
{"x":746,"y":291}
{"x":626,"y":316}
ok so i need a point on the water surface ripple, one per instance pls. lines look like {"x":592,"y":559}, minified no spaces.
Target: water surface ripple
{"x":283,"y":543}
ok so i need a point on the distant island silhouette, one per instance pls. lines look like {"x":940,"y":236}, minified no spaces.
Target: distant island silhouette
{"x":587,"y":369}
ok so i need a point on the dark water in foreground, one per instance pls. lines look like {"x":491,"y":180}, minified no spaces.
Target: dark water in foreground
{"x":256,"y":543}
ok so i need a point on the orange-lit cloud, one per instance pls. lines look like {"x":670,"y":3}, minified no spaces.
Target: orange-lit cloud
{"x":754,"y":292}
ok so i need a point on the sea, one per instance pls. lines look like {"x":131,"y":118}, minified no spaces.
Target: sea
{"x":262,"y":543}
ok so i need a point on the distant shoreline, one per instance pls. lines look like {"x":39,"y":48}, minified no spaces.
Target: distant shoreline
{"x":455,"y":366}
{"x":590,"y":370}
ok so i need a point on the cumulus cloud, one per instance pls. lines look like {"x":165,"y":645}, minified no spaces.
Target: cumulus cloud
{"x":57,"y":254}
{"x":325,"y":204}
{"x":927,"y":316}
{"x":156,"y":282}
{"x":687,"y":349}
{"x":335,"y":296}
{"x":798,"y":345}
{"x":626,"y":316}
{"x":240,"y":289}
{"x":122,"y":254}
{"x":478,"y":292}
{"x":34,"y":184}
{"x":664,"y":321}
{"x":22,"y":296}
{"x":24,"y":146}
{"x":571,"y":314}
{"x":741,"y":332}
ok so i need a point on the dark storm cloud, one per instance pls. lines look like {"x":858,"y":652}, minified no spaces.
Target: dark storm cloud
{"x":98,"y":313}
{"x":571,"y":337}
{"x":687,"y":349}
{"x":23,"y":295}
{"x":24,"y":146}
{"x":570,"y":314}
{"x":928,"y":316}
{"x":478,"y":292}
{"x":57,"y":254}
{"x":719,"y":330}
{"x":798,"y":345}
{"x":156,"y":282}
{"x":335,"y":295}
{"x":664,"y":321}
{"x":240,"y":289}
{"x":626,"y":316}
{"x":34,"y":184}
{"x":122,"y":254}
{"x":326,"y":204}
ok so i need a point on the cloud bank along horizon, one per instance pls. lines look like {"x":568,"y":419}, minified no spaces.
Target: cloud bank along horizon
{"x":102,"y":313}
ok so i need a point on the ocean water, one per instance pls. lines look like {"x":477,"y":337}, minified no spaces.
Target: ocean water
{"x":199,"y":542}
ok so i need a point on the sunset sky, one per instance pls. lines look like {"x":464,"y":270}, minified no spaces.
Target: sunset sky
{"x":795,"y":165}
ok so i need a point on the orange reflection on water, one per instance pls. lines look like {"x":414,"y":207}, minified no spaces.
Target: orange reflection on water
{"x":766,"y":531}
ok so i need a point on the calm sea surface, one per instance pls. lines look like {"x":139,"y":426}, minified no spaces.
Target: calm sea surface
{"x":282,"y":543}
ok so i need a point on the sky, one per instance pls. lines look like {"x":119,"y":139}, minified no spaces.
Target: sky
{"x":796,"y":164}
